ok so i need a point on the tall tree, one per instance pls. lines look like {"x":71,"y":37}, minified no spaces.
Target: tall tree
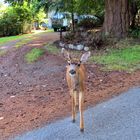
{"x":116,"y":23}
{"x":119,"y":14}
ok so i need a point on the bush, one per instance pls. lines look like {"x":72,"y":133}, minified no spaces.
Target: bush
{"x":89,"y":23}
{"x":13,"y":20}
{"x":135,"y":32}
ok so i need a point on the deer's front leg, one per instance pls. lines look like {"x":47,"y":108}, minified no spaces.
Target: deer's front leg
{"x":81,"y":103}
{"x":73,"y":107}
{"x":75,"y":99}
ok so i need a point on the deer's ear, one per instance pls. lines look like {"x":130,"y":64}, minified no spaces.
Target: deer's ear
{"x":85,"y":57}
{"x":66,"y":54}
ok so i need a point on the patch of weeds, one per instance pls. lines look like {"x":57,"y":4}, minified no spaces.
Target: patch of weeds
{"x":127,"y":59}
{"x":52,"y":48}
{"x":2,"y":52}
{"x":135,"y":32}
{"x":123,"y":43}
{"x":34,"y":55}
{"x":20,"y":44}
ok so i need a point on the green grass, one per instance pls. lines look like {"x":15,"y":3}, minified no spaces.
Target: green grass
{"x":4,"y":40}
{"x":127,"y":59}
{"x":34,"y":55}
{"x":12,"y":38}
{"x":52,"y":48}
{"x":2,"y":52}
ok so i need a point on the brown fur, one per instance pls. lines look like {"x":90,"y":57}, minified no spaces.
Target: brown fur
{"x":75,"y":76}
{"x":81,"y":73}
{"x":80,"y":76}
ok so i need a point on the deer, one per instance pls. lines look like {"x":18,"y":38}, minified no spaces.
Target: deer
{"x":75,"y":77}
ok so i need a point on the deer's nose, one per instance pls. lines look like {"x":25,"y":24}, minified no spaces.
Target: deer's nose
{"x":72,"y":72}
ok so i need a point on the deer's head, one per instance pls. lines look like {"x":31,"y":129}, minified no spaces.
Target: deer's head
{"x":74,"y":64}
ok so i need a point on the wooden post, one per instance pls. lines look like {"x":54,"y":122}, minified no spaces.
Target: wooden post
{"x":60,"y":34}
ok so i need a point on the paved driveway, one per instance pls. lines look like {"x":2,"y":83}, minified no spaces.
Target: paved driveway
{"x":116,"y":119}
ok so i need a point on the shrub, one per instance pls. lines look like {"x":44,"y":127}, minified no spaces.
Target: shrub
{"x":13,"y":20}
{"x":89,"y":23}
{"x":135,"y":32}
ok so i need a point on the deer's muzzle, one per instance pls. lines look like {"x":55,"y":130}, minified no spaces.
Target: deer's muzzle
{"x":72,"y":72}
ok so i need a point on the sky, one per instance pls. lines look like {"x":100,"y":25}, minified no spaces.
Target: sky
{"x":2,"y":1}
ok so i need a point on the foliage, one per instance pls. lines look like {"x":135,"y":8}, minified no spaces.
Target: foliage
{"x":40,"y":16}
{"x":18,"y":2}
{"x":135,"y":32}
{"x":80,"y":7}
{"x":34,"y":55}
{"x":95,"y":7}
{"x":13,"y":20}
{"x":2,"y":52}
{"x":88,"y":23}
{"x":2,"y":8}
{"x":120,"y":59}
{"x":18,"y":18}
{"x":137,"y":3}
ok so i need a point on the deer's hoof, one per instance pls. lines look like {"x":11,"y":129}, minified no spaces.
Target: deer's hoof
{"x":82,"y":130}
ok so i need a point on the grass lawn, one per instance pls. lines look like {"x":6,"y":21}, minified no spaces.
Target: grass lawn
{"x":4,"y":40}
{"x":12,"y":38}
{"x":127,"y":59}
{"x":2,"y":52}
{"x":121,"y":59}
{"x":35,"y":53}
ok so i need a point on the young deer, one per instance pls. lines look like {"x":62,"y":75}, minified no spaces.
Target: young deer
{"x":75,"y":76}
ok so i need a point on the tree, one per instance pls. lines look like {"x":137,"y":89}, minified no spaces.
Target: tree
{"x":119,"y":14}
{"x":69,"y":6}
{"x":116,"y":23}
{"x":59,"y":5}
{"x":16,"y":20}
{"x":26,"y":13}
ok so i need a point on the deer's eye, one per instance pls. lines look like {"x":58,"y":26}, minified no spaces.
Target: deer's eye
{"x":69,"y":62}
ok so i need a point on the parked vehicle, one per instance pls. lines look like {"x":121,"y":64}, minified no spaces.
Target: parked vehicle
{"x":61,"y":22}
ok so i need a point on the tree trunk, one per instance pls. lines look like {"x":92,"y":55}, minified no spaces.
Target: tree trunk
{"x":116,"y":23}
{"x":133,"y":12}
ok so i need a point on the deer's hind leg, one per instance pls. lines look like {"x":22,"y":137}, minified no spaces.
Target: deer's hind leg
{"x":81,"y":105}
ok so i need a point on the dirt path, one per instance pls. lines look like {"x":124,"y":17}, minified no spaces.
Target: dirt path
{"x":32,"y":95}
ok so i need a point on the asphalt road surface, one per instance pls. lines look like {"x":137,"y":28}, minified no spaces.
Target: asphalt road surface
{"x":116,"y":119}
